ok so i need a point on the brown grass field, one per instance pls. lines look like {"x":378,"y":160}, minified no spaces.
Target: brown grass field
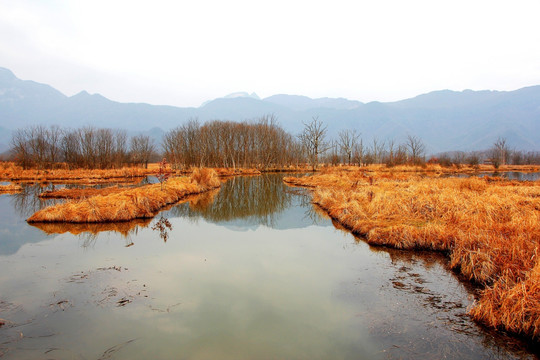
{"x":80,"y":193}
{"x":136,"y":203}
{"x":10,"y":171}
{"x":488,"y":227}
{"x":436,"y":169}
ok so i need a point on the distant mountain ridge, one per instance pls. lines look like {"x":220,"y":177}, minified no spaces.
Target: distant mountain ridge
{"x":445,"y":120}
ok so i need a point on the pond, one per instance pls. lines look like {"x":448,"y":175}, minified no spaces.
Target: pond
{"x":251,"y":271}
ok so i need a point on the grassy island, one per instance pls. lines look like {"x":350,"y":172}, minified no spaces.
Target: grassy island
{"x":134,"y":203}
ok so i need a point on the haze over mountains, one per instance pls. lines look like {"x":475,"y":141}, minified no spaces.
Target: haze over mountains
{"x":445,"y":120}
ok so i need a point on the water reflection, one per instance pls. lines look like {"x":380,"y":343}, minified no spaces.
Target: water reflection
{"x":126,"y":228}
{"x":214,"y":292}
{"x":418,"y":280}
{"x":248,"y":202}
{"x":163,"y":226}
{"x":515,"y":175}
{"x":27,"y":201}
{"x":509,"y":175}
{"x":255,"y":199}
{"x":241,"y":203}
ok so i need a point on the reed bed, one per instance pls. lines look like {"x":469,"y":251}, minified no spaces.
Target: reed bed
{"x":488,"y":227}
{"x":136,"y":203}
{"x":10,"y":189}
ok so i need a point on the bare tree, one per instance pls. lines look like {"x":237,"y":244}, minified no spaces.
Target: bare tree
{"x":313,"y":139}
{"x":358,"y":153}
{"x":391,"y":152}
{"x":141,"y":149}
{"x":377,"y":151}
{"x":121,"y":155}
{"x":54,"y":139}
{"x":500,"y":152}
{"x":37,"y":146}
{"x":20,"y":147}
{"x":347,"y":143}
{"x":415,"y":148}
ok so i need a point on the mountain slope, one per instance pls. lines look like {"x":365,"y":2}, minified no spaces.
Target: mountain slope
{"x":303,"y":103}
{"x":444,"y":120}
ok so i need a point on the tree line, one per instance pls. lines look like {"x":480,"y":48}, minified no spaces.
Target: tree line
{"x":499,"y":154}
{"x":45,"y":147}
{"x":261,"y":143}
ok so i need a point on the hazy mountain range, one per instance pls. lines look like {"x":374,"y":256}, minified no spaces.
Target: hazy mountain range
{"x":444,"y":120}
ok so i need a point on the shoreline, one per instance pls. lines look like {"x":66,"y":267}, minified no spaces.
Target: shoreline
{"x":407,"y":212}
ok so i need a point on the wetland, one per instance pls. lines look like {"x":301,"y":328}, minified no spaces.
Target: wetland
{"x":250,"y":270}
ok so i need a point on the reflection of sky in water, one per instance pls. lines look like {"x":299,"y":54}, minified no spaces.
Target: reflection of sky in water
{"x":511,"y":175}
{"x":520,"y":176}
{"x":281,"y":288}
{"x":246,"y":203}
{"x":14,"y":232}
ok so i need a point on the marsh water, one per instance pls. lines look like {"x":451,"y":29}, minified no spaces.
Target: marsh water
{"x":251,"y":271}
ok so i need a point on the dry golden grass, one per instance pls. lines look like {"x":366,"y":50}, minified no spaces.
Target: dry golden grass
{"x":80,"y":193}
{"x":10,"y":189}
{"x":433,"y":169}
{"x":10,"y":171}
{"x":224,"y":172}
{"x":490,"y":229}
{"x":137,"y":203}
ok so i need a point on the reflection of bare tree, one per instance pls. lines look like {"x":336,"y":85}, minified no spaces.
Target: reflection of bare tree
{"x":313,"y":212}
{"x":163,"y":225}
{"x":88,"y":239}
{"x":257,"y":199}
{"x":203,"y":201}
{"x":27,"y":201}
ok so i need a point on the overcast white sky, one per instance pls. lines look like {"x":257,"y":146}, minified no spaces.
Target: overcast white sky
{"x":185,"y":52}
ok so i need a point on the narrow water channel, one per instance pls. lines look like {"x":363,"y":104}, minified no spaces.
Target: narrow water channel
{"x":251,"y":271}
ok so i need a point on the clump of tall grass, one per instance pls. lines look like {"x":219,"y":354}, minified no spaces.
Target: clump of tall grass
{"x":136,"y":203}
{"x":489,"y":229}
{"x":205,"y":177}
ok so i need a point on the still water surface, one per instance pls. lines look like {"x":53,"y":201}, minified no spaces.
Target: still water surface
{"x":251,"y":271}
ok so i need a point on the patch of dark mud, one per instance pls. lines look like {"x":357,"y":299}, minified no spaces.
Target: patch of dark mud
{"x":104,"y":286}
{"x":417,"y":283}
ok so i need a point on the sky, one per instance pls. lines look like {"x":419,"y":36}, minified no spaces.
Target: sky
{"x":183,"y":53}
